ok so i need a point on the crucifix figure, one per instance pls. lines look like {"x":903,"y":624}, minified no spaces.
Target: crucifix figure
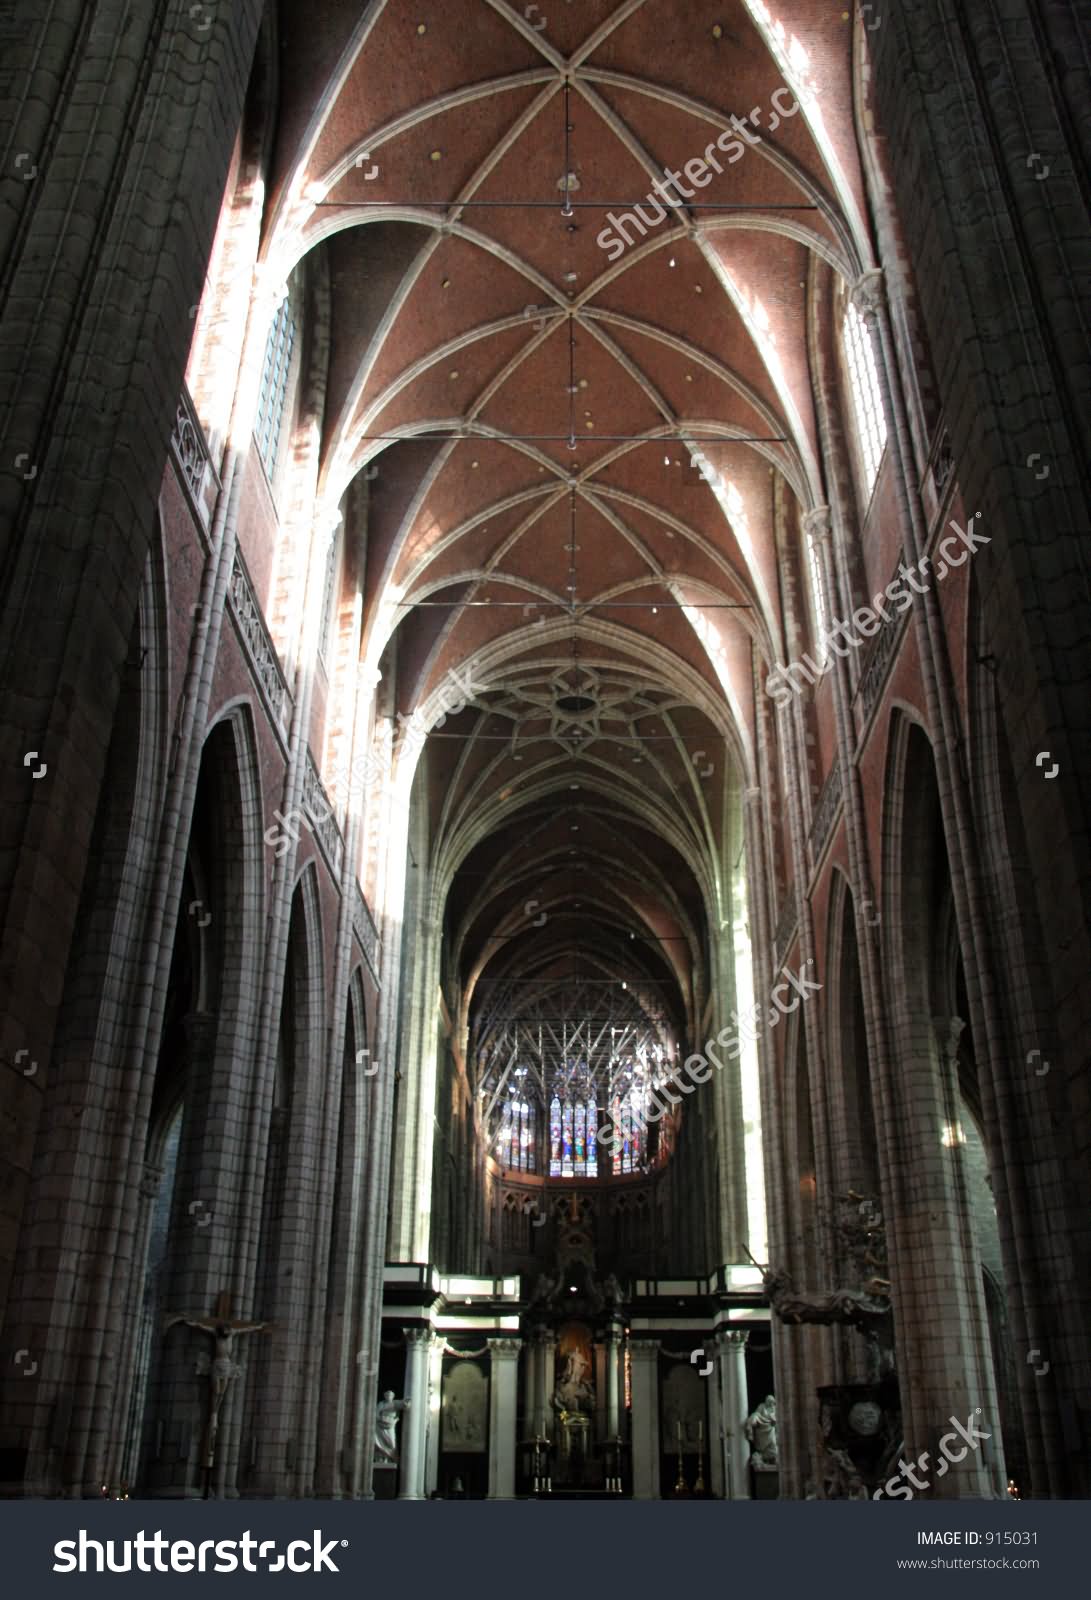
{"x":220,"y":1367}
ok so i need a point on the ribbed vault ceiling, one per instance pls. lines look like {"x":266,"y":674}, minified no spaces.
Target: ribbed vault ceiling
{"x":528,"y":413}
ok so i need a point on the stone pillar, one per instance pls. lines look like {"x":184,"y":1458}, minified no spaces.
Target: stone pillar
{"x":613,"y":1380}
{"x":415,"y":1424}
{"x":598,"y":1357}
{"x":543,"y":1415}
{"x":503,"y":1374}
{"x":531,"y":1388}
{"x":645,"y":1359}
{"x":435,"y":1397}
{"x":716,"y":1479}
{"x":734,"y":1410}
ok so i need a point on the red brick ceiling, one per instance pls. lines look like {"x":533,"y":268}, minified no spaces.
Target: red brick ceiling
{"x":562,"y":394}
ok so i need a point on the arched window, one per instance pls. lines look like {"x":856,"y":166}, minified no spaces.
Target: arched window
{"x":274,"y":385}
{"x":573,"y":1135}
{"x":818,"y":614}
{"x":867,"y":399}
{"x":515,"y":1139}
{"x":631,"y":1132}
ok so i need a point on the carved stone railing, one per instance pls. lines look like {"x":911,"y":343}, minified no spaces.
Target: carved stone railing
{"x":825,"y":811}
{"x":190,"y":452}
{"x":363,"y":926}
{"x":938,"y":469}
{"x":786,"y":927}
{"x":319,"y":808}
{"x":259,"y":647}
{"x":877,"y":664}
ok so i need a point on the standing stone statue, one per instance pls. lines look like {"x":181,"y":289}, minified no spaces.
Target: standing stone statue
{"x":760,"y":1429}
{"x":386,"y":1426}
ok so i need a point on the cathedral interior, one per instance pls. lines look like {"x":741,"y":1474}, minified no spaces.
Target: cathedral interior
{"x":511,"y":988}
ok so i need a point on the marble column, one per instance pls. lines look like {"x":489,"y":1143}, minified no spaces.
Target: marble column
{"x":716,"y":1482}
{"x":546,"y":1341}
{"x":734,"y":1409}
{"x":415,"y":1425}
{"x":531,"y":1387}
{"x":598,"y":1356}
{"x":613,"y":1380}
{"x":503,"y":1385}
{"x":645,"y":1381}
{"x":435,"y":1396}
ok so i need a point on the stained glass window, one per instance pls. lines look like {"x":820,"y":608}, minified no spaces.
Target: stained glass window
{"x":592,"y":1138}
{"x":555,"y":1137}
{"x":516,"y":1136}
{"x":566,"y":1140}
{"x":526,"y":1161}
{"x":503,"y":1138}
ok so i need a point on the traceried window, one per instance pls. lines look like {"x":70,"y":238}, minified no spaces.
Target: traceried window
{"x":515,"y":1140}
{"x":630,"y":1133}
{"x":814,"y":579}
{"x":273,"y":393}
{"x":573,"y":1133}
{"x":562,"y":1065}
{"x":867,"y":400}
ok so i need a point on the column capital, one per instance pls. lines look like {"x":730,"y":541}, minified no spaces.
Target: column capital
{"x":504,"y":1349}
{"x":867,"y":294}
{"x":418,"y":1338}
{"x":733,"y":1337}
{"x":817,"y":524}
{"x":644,"y":1349}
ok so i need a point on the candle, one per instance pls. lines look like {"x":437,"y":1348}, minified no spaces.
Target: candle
{"x":678,"y":1428}
{"x":700,"y":1431}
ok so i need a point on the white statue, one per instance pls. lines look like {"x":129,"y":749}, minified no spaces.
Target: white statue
{"x":760,"y":1429}
{"x":386,"y":1426}
{"x":573,"y":1392}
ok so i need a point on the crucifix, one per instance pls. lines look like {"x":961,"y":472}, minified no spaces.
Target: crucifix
{"x":220,"y":1367}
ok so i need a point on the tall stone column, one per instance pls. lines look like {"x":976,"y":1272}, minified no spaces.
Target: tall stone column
{"x":645,"y":1359}
{"x":734,"y":1409}
{"x":598,"y":1358}
{"x":503,"y":1373}
{"x":531,"y":1388}
{"x":415,"y":1427}
{"x":543,"y":1419}
{"x":716,"y":1440}
{"x":613,"y":1380}
{"x":435,"y":1395}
